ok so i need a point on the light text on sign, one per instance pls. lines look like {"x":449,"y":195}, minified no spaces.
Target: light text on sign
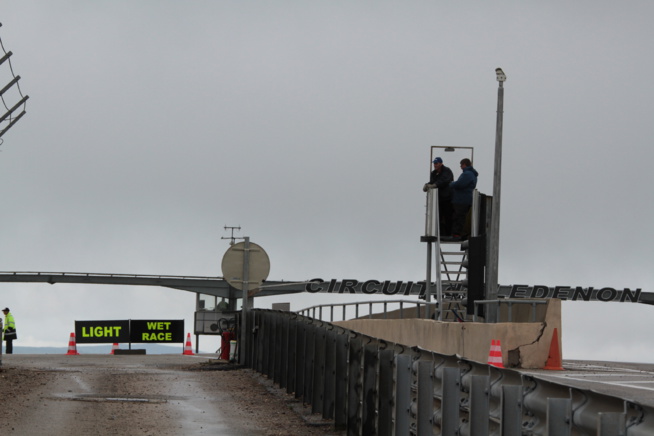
{"x":101,"y":332}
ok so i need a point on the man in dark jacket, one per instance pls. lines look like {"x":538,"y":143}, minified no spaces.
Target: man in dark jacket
{"x":440,"y":178}
{"x":462,"y":196}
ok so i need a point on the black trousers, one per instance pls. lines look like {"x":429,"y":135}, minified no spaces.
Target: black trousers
{"x":445,"y":212}
{"x":459,"y":221}
{"x":9,"y":348}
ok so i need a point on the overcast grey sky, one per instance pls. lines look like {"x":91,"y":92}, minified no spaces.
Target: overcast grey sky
{"x":153,"y":124}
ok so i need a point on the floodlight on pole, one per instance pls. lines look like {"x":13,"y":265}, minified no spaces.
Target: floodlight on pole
{"x":501,"y":77}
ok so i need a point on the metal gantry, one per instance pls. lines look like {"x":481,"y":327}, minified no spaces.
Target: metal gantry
{"x":11,"y":96}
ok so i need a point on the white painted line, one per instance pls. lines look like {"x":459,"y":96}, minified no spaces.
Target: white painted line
{"x":632,"y":386}
{"x":607,"y":375}
{"x":628,"y":384}
{"x":584,"y":367}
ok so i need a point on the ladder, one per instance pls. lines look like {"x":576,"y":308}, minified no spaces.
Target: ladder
{"x":453,"y":275}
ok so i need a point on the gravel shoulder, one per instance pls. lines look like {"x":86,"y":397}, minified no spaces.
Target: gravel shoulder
{"x":146,"y":395}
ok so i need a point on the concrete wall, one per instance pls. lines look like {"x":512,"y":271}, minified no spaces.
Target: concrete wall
{"x":524,"y":344}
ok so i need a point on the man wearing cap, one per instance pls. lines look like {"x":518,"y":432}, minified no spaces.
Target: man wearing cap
{"x":9,"y":331}
{"x":440,"y":178}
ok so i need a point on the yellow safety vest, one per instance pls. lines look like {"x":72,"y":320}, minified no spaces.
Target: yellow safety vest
{"x":9,"y":322}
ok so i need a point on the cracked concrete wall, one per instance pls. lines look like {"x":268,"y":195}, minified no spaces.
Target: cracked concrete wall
{"x":524,"y":344}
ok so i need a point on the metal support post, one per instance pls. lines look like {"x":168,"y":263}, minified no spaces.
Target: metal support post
{"x":439,"y":284}
{"x":244,"y":310}
{"x":474,"y":222}
{"x":429,"y":290}
{"x":432,"y":230}
{"x":494,"y":249}
{"x":403,"y":395}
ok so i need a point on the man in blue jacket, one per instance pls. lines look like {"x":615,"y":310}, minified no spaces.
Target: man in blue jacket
{"x":462,"y":196}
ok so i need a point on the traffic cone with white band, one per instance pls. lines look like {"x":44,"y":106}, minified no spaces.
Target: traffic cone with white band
{"x":72,"y":346}
{"x":495,"y":355}
{"x":188,"y":349}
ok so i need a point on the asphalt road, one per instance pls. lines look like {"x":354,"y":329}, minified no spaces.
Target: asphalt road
{"x":631,"y":381}
{"x":161,"y":395}
{"x":178,"y":395}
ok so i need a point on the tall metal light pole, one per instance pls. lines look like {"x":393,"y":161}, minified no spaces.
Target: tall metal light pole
{"x":494,"y":249}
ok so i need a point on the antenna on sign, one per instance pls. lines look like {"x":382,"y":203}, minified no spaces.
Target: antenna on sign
{"x":232,"y":237}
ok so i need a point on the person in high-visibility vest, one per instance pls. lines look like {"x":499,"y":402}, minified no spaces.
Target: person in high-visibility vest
{"x":9,"y":331}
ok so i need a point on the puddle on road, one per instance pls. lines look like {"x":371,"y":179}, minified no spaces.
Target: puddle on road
{"x":118,"y":400}
{"x":111,"y":399}
{"x":197,"y":419}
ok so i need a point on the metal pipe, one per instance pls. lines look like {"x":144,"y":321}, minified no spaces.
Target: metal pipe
{"x":494,"y":245}
{"x":244,"y":309}
{"x":14,"y":107}
{"x":9,"y":85}
{"x":429,"y":233}
{"x":474,"y":224}
{"x":439,"y":283}
{"x":5,"y":57}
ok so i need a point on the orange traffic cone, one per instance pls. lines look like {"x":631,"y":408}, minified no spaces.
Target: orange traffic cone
{"x":554,"y":361}
{"x":495,"y":355}
{"x":72,"y":346}
{"x":114,"y":348}
{"x":188,"y":349}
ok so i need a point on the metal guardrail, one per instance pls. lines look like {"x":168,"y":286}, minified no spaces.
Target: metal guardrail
{"x":368,"y":386}
{"x":412,"y":312}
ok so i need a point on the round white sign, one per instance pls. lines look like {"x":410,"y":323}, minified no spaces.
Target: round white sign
{"x":233,"y":261}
